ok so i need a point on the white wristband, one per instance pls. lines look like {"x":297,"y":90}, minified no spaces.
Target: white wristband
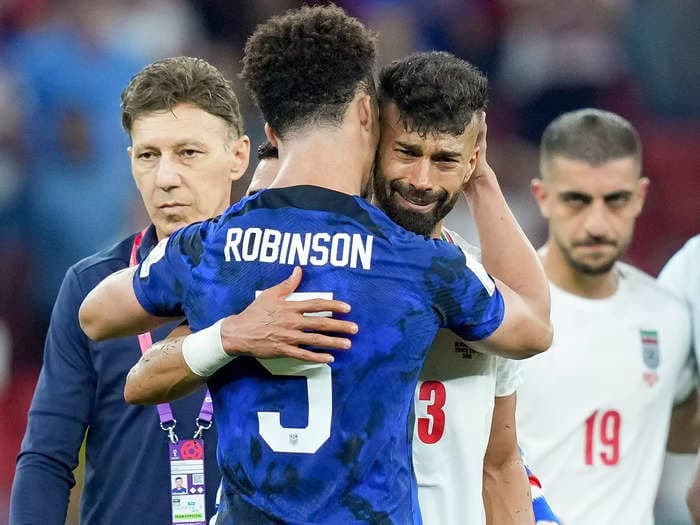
{"x":203,"y":351}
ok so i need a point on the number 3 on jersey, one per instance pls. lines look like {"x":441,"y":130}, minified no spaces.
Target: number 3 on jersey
{"x":319,"y":389}
{"x":603,"y":435}
{"x":431,"y":428}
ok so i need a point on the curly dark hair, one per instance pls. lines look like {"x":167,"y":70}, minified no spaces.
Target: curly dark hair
{"x":591,"y":135}
{"x":171,"y":81}
{"x":304,"y":67}
{"x":267,"y":151}
{"x":435,"y":92}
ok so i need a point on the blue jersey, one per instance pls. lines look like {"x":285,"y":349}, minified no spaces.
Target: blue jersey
{"x":305,"y":443}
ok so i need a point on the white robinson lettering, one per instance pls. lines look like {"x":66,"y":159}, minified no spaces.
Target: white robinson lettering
{"x":318,"y":249}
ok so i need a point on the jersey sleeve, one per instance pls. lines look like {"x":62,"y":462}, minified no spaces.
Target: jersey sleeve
{"x":58,"y":416}
{"x":162,"y":279}
{"x":687,"y":381}
{"x":680,"y":276}
{"x":464,"y":294}
{"x":675,"y":275}
{"x":509,"y":376}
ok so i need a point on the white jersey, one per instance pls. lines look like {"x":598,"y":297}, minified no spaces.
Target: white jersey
{"x":593,"y":412}
{"x":682,"y":276}
{"x":454,"y":403}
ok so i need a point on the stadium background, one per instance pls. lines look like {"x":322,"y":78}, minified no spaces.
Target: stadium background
{"x":65,"y":187}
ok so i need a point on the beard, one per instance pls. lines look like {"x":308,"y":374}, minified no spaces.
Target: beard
{"x":588,"y":268}
{"x":422,"y":223}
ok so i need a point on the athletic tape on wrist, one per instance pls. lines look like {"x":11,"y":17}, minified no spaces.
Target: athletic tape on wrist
{"x":203,"y":351}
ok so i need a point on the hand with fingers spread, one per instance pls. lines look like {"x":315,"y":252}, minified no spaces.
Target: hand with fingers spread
{"x":275,"y":325}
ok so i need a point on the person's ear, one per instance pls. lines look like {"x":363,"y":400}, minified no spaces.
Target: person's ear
{"x":642,"y":192}
{"x":541,"y":193}
{"x":366,"y":112}
{"x":271,"y":135}
{"x":240,"y":149}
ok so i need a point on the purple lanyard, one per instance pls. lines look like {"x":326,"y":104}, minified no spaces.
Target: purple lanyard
{"x":165,"y":412}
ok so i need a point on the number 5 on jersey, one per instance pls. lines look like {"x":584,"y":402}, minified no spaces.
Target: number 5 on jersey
{"x":319,"y":389}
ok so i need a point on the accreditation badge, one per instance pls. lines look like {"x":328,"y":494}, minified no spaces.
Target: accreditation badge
{"x":187,"y":482}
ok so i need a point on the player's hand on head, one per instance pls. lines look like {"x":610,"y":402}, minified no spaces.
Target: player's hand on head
{"x":482,"y":167}
{"x":481,"y":136}
{"x":274,"y":327}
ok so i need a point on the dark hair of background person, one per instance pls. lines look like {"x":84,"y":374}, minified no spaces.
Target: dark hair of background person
{"x":171,"y":81}
{"x":590,"y":135}
{"x":304,"y":68}
{"x":435,"y":92}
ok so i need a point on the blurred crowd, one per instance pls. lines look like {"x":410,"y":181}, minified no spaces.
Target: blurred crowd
{"x":65,"y":184}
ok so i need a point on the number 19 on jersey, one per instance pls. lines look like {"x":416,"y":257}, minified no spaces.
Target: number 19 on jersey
{"x":603,"y":438}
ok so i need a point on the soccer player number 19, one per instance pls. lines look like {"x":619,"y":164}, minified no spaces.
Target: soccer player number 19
{"x":603,"y":435}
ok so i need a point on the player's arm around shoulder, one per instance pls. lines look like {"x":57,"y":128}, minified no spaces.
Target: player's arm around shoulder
{"x":525,"y":331}
{"x":270,"y":327}
{"x":137,"y":299}
{"x":506,"y":488}
{"x":162,"y":375}
{"x":59,"y":414}
{"x":111,"y":309}
{"x":508,"y":256}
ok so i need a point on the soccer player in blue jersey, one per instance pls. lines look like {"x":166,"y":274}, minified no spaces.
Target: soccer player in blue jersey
{"x":461,"y":459}
{"x":420,"y":131}
{"x":331,"y":443}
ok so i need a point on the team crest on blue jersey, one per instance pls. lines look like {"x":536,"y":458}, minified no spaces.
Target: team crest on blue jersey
{"x":650,"y":355}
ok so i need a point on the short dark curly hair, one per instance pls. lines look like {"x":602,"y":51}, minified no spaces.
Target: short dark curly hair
{"x":171,"y":81}
{"x":590,"y":135}
{"x":435,"y":92}
{"x":304,"y":67}
{"x":267,"y":151}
